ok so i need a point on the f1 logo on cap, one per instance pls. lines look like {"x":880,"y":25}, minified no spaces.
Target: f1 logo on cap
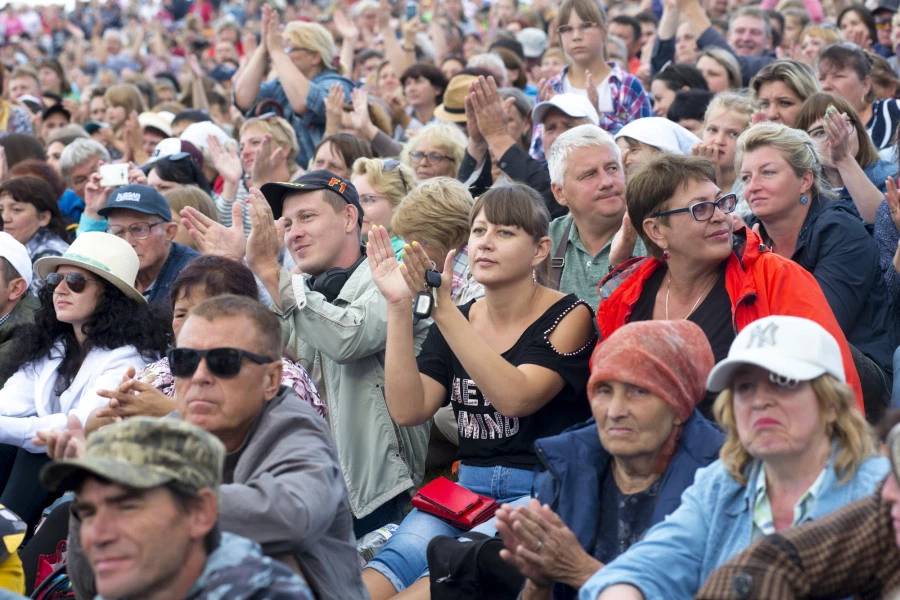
{"x":335,"y":182}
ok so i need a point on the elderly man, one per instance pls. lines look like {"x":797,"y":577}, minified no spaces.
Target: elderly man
{"x":587,"y":177}
{"x":489,"y":141}
{"x":854,"y":552}
{"x":147,"y":496}
{"x":141,"y":216}
{"x":282,"y":484}
{"x":76,"y":163}
{"x":17,"y":305}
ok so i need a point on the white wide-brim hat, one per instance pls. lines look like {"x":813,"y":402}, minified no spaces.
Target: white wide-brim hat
{"x":104,"y":255}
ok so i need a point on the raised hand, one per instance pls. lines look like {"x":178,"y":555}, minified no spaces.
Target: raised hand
{"x":490,"y":108}
{"x":334,"y":107}
{"x":213,"y":238}
{"x":225,"y":161}
{"x":387,"y":272}
{"x":360,"y":118}
{"x":838,"y":129}
{"x":545,"y":90}
{"x":477,"y":143}
{"x":892,"y":195}
{"x":416,"y":262}
{"x":266,"y":236}
{"x":345,"y":26}
{"x":269,"y":157}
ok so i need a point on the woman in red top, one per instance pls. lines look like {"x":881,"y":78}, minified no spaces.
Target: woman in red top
{"x":700,"y":269}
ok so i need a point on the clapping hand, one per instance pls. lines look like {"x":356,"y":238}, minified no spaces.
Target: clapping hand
{"x":63,"y":444}
{"x":134,"y":398}
{"x":213,"y":238}
{"x":225,"y":161}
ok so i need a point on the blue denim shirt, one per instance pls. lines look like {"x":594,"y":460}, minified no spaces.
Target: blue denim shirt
{"x":713,"y":524}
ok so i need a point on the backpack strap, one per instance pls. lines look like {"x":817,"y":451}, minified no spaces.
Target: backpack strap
{"x":558,"y":262}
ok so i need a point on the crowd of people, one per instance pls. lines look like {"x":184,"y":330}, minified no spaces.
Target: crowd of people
{"x":627,"y":272}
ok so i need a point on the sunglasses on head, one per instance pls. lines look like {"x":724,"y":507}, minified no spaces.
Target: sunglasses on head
{"x":391,"y":165}
{"x":76,"y":282}
{"x":221,"y":362}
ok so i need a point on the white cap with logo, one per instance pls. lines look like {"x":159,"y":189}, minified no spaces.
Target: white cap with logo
{"x":17,"y":256}
{"x":791,"y":347}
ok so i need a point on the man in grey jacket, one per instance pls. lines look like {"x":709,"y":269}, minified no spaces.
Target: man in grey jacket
{"x":282,"y":484}
{"x":337,"y":322}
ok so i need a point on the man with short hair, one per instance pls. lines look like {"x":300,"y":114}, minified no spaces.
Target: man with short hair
{"x":77,"y":163}
{"x":337,"y":321}
{"x":141,"y":216}
{"x":24,"y":81}
{"x":146,"y":503}
{"x":628,"y":29}
{"x":587,"y":177}
{"x":17,"y":305}
{"x":53,"y":118}
{"x":750,"y":32}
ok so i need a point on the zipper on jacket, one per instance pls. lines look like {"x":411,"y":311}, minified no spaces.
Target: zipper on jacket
{"x":556,"y":478}
{"x":744,"y":299}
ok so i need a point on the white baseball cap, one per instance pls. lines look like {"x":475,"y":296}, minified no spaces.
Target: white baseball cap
{"x":17,"y":255}
{"x":573,"y":105}
{"x":791,"y":347}
{"x":660,"y":133}
{"x":198,"y":134}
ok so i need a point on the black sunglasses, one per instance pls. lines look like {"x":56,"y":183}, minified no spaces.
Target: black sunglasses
{"x":221,"y":362}
{"x":76,"y":282}
{"x":392,"y":164}
{"x":704,"y":211}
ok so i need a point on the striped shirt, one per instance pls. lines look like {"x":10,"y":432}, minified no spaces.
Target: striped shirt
{"x":883,"y":124}
{"x":763,"y":521}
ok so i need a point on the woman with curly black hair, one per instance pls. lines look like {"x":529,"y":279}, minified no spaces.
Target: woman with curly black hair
{"x":92,"y":325}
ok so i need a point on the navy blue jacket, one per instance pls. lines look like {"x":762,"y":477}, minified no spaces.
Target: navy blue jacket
{"x":179,"y":256}
{"x":577,"y":463}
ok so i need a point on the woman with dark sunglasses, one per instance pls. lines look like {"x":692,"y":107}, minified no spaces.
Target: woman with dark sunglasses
{"x":699,"y":268}
{"x":91,"y":327}
{"x":784,"y":184}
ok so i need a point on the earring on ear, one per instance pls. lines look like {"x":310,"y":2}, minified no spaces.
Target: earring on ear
{"x":534,"y":277}
{"x":665,"y":255}
{"x":803,"y":199}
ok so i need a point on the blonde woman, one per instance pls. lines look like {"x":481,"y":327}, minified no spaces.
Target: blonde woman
{"x":382,"y":185}
{"x":437,"y":150}
{"x":796,"y":449}
{"x":303,"y":58}
{"x":813,"y":40}
{"x":727,"y":116}
{"x":781,"y":87}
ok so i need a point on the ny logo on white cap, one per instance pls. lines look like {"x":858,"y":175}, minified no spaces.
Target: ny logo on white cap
{"x":762,"y":336}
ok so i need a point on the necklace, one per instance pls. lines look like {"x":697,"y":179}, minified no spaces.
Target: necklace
{"x":699,"y":298}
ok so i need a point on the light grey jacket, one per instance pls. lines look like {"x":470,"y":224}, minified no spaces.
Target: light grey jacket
{"x":341,"y":344}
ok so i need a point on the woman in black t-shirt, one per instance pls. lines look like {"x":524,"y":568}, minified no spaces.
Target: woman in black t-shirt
{"x":514,"y":366}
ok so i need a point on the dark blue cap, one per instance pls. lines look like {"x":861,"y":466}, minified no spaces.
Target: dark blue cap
{"x":314,"y":180}
{"x":223,"y":73}
{"x":140,"y":198}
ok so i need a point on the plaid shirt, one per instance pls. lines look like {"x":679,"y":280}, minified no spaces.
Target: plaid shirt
{"x":763,"y":521}
{"x":630,"y":102}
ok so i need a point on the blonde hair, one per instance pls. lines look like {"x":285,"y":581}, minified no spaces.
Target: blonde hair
{"x":436,"y":213}
{"x":446,"y":136}
{"x":854,"y":437}
{"x":281,"y":131}
{"x":194,"y":197}
{"x":830,"y":35}
{"x":738,"y":103}
{"x":799,"y":77}
{"x":394,"y":183}
{"x":794,"y":145}
{"x":315,"y":38}
{"x":126,"y":95}
{"x":728,"y":62}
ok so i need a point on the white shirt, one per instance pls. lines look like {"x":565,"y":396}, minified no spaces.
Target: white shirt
{"x":604,"y":92}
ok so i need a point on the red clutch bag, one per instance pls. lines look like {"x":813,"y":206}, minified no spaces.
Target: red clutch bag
{"x":454,"y":503}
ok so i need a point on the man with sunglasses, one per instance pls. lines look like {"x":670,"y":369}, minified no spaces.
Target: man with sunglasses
{"x":141,"y":216}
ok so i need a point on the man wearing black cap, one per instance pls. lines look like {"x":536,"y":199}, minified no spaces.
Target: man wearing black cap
{"x":141,"y":216}
{"x":53,"y":117}
{"x":337,"y":320}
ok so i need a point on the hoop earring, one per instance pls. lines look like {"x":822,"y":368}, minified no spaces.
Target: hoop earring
{"x":666,"y":255}
{"x":803,"y":199}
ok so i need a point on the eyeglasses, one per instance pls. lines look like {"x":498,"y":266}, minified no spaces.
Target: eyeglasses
{"x":138,"y":231}
{"x":703,"y":211}
{"x":221,"y":362}
{"x":392,"y":165}
{"x":370,"y":199}
{"x":584,"y":28}
{"x":433,"y":157}
{"x":76,"y":282}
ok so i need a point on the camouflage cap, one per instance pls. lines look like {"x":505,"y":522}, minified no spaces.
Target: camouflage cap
{"x":145,"y":453}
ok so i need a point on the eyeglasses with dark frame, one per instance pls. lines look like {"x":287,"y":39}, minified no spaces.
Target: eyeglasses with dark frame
{"x":76,"y":282}
{"x":138,"y":231}
{"x":704,"y":211}
{"x":221,"y":362}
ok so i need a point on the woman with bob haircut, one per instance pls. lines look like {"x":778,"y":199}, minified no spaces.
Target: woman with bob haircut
{"x":786,"y":190}
{"x":781,"y":87}
{"x":700,"y":269}
{"x":437,"y":150}
{"x":423,"y":87}
{"x":634,"y":458}
{"x":814,"y":39}
{"x":796,"y":449}
{"x":122,"y":101}
{"x":337,"y":153}
{"x":92,"y":326}
{"x":720,"y":69}
{"x":531,"y":362}
{"x":303,"y":57}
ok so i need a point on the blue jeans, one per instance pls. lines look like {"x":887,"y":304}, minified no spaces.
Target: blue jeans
{"x":402,"y":560}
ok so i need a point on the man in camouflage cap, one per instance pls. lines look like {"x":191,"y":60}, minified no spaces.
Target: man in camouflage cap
{"x":146,"y":496}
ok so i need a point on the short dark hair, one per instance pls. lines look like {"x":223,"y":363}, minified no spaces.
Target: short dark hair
{"x":217,"y":99}
{"x":38,"y":193}
{"x":655,"y":182}
{"x":217,"y":276}
{"x":183,"y":171}
{"x":679,"y":75}
{"x":865,"y":16}
{"x":9,"y":271}
{"x":41,"y":170}
{"x":689,"y":104}
{"x":21,"y":146}
{"x":186,"y":497}
{"x":348,"y":147}
{"x":647,"y":17}
{"x":631,"y":22}
{"x":428,"y":71}
{"x":843,"y":55}
{"x":268,"y":326}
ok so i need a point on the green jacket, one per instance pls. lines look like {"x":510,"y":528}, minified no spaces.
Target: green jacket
{"x":22,"y":314}
{"x":341,"y":344}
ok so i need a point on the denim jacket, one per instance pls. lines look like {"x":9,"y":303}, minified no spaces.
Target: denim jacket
{"x":713,"y":524}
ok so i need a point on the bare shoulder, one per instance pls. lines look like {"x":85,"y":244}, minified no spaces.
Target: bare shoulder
{"x":573,"y":330}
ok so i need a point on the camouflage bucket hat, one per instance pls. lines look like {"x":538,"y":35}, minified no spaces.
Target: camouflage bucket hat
{"x":144,"y":453}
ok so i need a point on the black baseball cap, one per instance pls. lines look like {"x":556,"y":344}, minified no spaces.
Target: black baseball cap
{"x":140,"y":198}
{"x":56,"y":108}
{"x":310,"y":182}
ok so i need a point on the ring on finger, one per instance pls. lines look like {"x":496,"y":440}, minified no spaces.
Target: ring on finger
{"x":540,"y":545}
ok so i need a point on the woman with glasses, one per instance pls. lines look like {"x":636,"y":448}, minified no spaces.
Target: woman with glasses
{"x":437,"y":150}
{"x":92,"y":326}
{"x":382,"y":185}
{"x":618,"y":96}
{"x":797,"y":219}
{"x":796,"y":449}
{"x":699,"y":268}
{"x":31,"y":215}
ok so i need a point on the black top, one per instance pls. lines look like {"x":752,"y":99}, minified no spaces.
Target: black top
{"x":713,"y":315}
{"x":486,"y":437}
{"x":624,"y":518}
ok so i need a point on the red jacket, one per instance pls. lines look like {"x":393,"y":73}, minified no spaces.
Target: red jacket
{"x":759,"y":282}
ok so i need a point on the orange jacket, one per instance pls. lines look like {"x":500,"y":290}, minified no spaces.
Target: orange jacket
{"x":759,"y":283}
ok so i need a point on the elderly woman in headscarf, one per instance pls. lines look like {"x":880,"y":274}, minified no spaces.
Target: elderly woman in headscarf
{"x":599,"y":494}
